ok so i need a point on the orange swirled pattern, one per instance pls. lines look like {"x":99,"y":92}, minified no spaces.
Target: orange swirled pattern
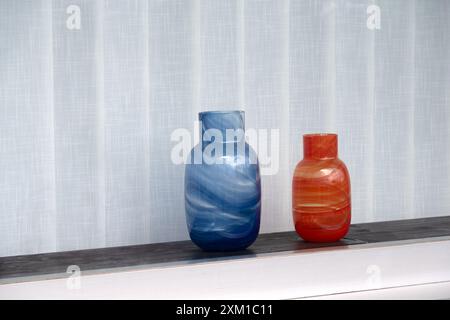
{"x":321,"y":201}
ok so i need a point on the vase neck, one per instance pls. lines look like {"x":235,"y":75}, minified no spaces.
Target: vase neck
{"x":230,"y":125}
{"x":320,"y":146}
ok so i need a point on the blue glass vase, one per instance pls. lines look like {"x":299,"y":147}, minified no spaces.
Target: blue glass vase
{"x":222,"y":185}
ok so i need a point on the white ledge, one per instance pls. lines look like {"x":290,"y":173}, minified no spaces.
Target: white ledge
{"x":400,"y":269}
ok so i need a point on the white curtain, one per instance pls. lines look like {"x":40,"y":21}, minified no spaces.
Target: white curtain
{"x":86,"y":114}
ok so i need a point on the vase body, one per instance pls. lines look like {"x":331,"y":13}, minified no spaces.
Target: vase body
{"x":222,"y":185}
{"x":321,"y":201}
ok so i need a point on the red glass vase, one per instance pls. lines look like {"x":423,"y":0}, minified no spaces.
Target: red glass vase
{"x":321,"y":201}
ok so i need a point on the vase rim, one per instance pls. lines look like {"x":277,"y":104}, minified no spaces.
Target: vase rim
{"x":221,"y":111}
{"x":325,"y":134}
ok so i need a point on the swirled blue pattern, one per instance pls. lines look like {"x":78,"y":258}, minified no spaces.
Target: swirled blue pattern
{"x":223,"y":200}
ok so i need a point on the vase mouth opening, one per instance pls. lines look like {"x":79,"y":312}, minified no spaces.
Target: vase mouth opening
{"x":319,"y":135}
{"x":219,"y":113}
{"x":320,"y":145}
{"x":220,"y":119}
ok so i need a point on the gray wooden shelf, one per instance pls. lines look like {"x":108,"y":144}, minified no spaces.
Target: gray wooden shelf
{"x":19,"y":268}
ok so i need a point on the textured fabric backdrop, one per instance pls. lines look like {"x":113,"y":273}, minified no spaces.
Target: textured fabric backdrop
{"x":86,"y":114}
